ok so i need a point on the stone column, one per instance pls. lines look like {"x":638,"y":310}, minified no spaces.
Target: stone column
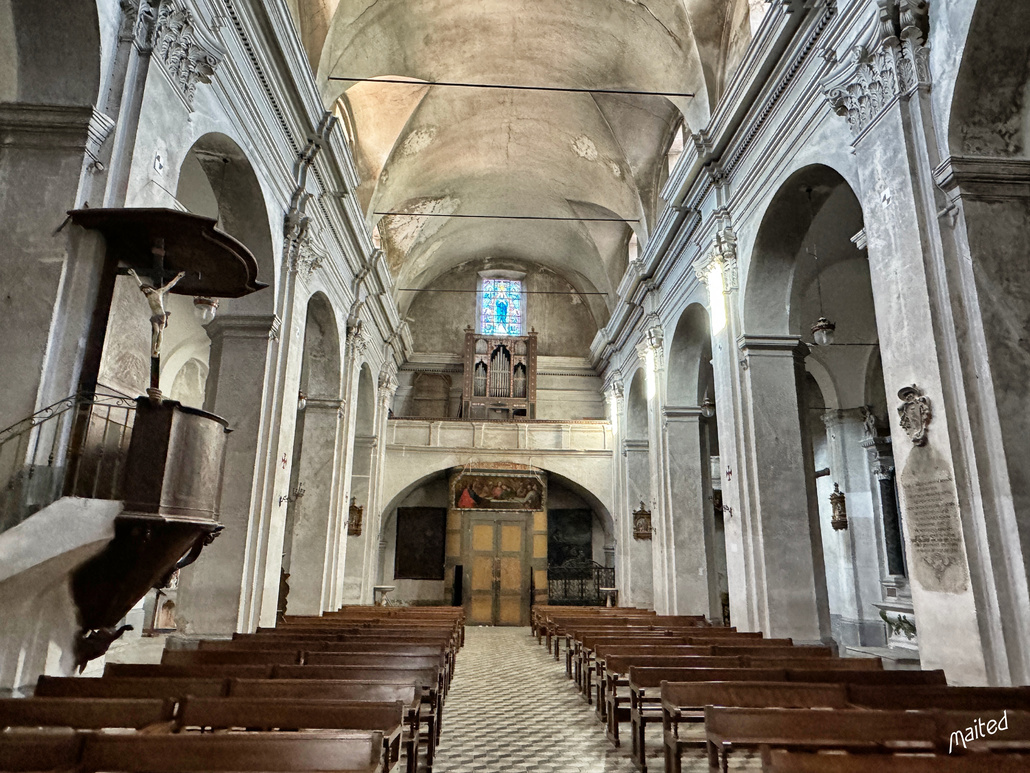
{"x":787,"y":552}
{"x":623,"y":533}
{"x":638,"y":575}
{"x":373,"y":512}
{"x":692,"y":552}
{"x":214,"y":591}
{"x":652,"y":352}
{"x":312,"y":547}
{"x":717,"y":269}
{"x":355,"y":348}
{"x":853,"y":552}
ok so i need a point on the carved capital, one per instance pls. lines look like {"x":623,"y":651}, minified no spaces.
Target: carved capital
{"x":891,"y":63}
{"x":177,"y":46}
{"x":721,"y":254}
{"x":652,"y":347}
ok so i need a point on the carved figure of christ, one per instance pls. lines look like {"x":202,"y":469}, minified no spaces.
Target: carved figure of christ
{"x":158,"y":316}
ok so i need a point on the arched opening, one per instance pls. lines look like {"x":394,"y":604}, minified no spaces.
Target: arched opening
{"x":638,"y":582}
{"x":217,"y":179}
{"x":808,"y":268}
{"x":313,"y":510}
{"x":698,"y":534}
{"x":364,"y":449}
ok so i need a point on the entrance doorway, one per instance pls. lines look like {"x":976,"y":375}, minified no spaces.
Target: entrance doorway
{"x":497,"y":569}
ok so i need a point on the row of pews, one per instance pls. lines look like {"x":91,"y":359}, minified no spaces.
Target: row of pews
{"x":717,"y":690}
{"x":358,"y":690}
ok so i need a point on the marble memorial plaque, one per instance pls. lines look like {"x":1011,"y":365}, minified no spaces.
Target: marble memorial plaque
{"x":931,"y":521}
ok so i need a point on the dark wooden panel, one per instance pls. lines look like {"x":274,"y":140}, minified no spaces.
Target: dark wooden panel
{"x":420,"y":543}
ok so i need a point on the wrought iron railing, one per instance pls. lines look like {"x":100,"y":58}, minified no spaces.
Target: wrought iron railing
{"x":75,"y":447}
{"x":579,"y":584}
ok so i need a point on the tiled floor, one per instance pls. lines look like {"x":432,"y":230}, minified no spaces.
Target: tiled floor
{"x":511,"y":710}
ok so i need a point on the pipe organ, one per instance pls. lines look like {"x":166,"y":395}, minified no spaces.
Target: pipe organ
{"x":500,"y":377}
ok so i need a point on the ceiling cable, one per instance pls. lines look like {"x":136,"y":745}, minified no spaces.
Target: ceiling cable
{"x":568,"y":89}
{"x":511,"y":217}
{"x":476,"y":292}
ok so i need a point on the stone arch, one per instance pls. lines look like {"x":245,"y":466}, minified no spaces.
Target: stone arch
{"x":217,"y":179}
{"x":313,"y":518}
{"x":636,"y":406}
{"x":689,"y":358}
{"x":990,"y":111}
{"x":790,"y":219}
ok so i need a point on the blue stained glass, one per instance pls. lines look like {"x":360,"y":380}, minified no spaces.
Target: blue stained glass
{"x":501,"y":307}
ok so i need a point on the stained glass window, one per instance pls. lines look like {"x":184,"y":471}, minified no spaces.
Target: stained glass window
{"x":501,"y":311}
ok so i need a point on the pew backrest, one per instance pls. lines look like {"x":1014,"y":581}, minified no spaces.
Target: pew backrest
{"x":285,"y":752}
{"x":129,"y":687}
{"x":85,"y":713}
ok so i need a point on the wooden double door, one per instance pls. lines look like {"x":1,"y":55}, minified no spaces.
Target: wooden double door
{"x":497,"y":569}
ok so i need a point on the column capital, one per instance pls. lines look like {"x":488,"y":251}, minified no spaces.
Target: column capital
{"x":653,"y":345}
{"x":326,"y":404}
{"x":688,"y":413}
{"x":721,"y":254}
{"x":772,"y":345}
{"x":245,"y":326}
{"x":613,"y":387}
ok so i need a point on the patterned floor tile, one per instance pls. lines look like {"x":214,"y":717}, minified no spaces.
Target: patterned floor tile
{"x":511,"y":709}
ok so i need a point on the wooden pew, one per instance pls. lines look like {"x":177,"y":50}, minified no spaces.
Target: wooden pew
{"x":130,"y":687}
{"x":849,"y":730}
{"x":932,"y":697}
{"x":645,"y":685}
{"x":815,"y":663}
{"x":283,"y":752}
{"x":690,"y":701}
{"x":42,"y":751}
{"x":265,"y":715}
{"x":207,"y":670}
{"x":613,"y":703}
{"x":235,"y":657}
{"x":87,"y":713}
{"x":784,"y":761}
{"x":727,"y":728}
{"x":407,"y":693}
{"x":428,"y":679}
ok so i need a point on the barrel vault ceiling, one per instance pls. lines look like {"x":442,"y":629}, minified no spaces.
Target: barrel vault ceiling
{"x":430,"y":150}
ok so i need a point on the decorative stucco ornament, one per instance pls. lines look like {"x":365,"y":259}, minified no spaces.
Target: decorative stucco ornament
{"x":641,"y":523}
{"x":839,"y":517}
{"x":915,"y":413}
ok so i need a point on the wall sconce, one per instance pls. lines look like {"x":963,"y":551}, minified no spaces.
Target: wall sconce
{"x":204,"y":308}
{"x":354,"y":520}
{"x":642,"y":523}
{"x":297,"y":494}
{"x":839,"y":518}
{"x":302,"y":401}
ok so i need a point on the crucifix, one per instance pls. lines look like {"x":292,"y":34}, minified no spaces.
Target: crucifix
{"x":158,"y":322}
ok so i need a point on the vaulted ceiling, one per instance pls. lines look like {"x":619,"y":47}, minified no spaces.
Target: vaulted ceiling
{"x":439,"y":150}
